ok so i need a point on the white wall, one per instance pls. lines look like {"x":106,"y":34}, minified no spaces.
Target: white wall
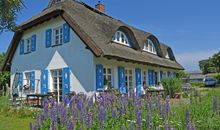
{"x":73,"y":54}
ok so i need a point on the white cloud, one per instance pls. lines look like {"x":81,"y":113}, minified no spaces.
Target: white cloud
{"x":190,"y":60}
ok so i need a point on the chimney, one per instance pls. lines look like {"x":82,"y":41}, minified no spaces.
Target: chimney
{"x":100,"y":7}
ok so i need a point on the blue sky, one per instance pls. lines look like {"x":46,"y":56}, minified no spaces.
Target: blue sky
{"x":190,"y":27}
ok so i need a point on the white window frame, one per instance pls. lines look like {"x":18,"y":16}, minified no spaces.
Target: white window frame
{"x":106,"y":75}
{"x":28,"y":78}
{"x":55,"y":85}
{"x":150,"y":47}
{"x":129,"y":84}
{"x":27,"y":45}
{"x":121,"y":38}
{"x":58,"y":41}
{"x":167,"y":56}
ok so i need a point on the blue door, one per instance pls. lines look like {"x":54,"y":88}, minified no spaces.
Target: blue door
{"x":65,"y":81}
{"x":44,"y":81}
{"x":99,"y":78}
{"x":121,"y":80}
{"x":138,"y":82}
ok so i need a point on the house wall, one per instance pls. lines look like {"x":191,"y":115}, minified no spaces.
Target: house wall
{"x":72,"y":54}
{"x":114,"y":64}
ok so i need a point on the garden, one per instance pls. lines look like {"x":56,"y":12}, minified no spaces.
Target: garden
{"x":198,"y":109}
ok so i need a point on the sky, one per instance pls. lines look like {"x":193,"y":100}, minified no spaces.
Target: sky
{"x":190,"y":27}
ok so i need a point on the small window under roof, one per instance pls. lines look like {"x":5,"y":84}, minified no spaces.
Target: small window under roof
{"x":149,"y":47}
{"x":121,"y":38}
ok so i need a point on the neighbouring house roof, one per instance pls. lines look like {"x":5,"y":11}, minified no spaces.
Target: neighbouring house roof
{"x":96,"y":30}
{"x":193,"y":75}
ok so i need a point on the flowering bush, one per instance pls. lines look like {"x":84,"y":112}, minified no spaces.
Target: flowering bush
{"x":108,"y":111}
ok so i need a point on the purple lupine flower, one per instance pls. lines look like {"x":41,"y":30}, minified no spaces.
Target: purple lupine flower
{"x":167,"y":106}
{"x":89,"y":120}
{"x":166,"y":127}
{"x":54,"y":116}
{"x":63,"y":114}
{"x":139,"y":118}
{"x":215,"y":104}
{"x":148,"y":117}
{"x":114,"y":113}
{"x":102,"y":116}
{"x":188,"y":119}
{"x":42,"y":117}
{"x":46,"y":108}
{"x":150,"y":103}
{"x":70,"y":125}
{"x":35,"y":126}
{"x":30,"y":125}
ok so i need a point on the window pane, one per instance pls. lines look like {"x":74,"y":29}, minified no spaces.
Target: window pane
{"x":109,"y":71}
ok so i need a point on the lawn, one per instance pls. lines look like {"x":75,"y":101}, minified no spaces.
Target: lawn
{"x":14,"y":119}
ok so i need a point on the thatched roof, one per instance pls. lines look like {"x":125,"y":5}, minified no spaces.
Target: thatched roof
{"x":96,"y":29}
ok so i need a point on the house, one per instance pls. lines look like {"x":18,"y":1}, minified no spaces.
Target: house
{"x":71,"y":46}
{"x":195,"y":76}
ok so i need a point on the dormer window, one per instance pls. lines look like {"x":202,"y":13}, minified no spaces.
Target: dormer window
{"x":149,"y":47}
{"x":167,"y":56}
{"x":121,"y":38}
{"x":57,"y":1}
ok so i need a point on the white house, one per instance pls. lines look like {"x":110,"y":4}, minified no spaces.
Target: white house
{"x":71,"y":46}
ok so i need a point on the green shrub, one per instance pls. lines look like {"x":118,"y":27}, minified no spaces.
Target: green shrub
{"x":198,"y":84}
{"x":217,"y":76}
{"x":172,"y":85}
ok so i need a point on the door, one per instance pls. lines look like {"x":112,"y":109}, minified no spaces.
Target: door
{"x":129,"y":79}
{"x":57,"y":83}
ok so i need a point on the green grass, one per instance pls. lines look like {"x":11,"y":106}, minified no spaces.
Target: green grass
{"x":14,"y":123}
{"x":14,"y":119}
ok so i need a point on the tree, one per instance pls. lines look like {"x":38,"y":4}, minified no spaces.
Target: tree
{"x":207,"y":66}
{"x":216,"y":60}
{"x":8,"y":15}
{"x":4,"y":76}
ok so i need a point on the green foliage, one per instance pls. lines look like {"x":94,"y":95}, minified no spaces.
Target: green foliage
{"x":198,"y":84}
{"x":172,"y":86}
{"x":217,"y":76}
{"x":8,"y":15}
{"x":4,"y":76}
{"x":211,"y":65}
{"x":181,"y":74}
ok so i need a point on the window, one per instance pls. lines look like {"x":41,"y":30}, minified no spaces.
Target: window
{"x":57,"y":83}
{"x":167,"y":56}
{"x":27,"y":45}
{"x":28,"y":77}
{"x":58,"y":36}
{"x":107,"y":72}
{"x":129,"y":78}
{"x":149,"y":47}
{"x":121,"y":38}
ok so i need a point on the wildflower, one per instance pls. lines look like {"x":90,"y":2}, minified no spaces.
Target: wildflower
{"x":148,"y":117}
{"x":215,"y":104}
{"x":89,"y":120}
{"x":167,"y":106}
{"x":35,"y":126}
{"x":70,"y":126}
{"x":42,"y":117}
{"x":123,"y":127}
{"x":114,"y":113}
{"x":30,"y":124}
{"x":63,"y":115}
{"x":139,"y":119}
{"x":102,"y":116}
{"x":66,"y":100}
{"x":188,"y":119}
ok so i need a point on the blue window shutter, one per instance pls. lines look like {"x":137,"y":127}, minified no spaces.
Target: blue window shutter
{"x":33,"y":43}
{"x":20,"y":82}
{"x":44,"y":81}
{"x":99,"y":77}
{"x":150,"y":77}
{"x":48,"y":38}
{"x":66,"y":33}
{"x":65,"y":81}
{"x":22,"y":47}
{"x":153,"y":78}
{"x":168,"y":74}
{"x":32,"y":81}
{"x":138,"y":82}
{"x":121,"y":80}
